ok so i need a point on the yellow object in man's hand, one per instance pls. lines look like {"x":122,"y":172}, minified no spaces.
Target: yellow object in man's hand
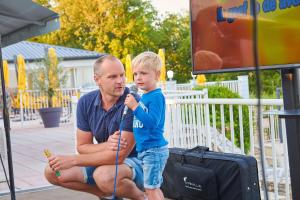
{"x":48,"y":154}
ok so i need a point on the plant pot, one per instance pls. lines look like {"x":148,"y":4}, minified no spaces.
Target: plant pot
{"x":50,"y":116}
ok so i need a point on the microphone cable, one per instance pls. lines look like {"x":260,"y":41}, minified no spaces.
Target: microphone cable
{"x":132,"y":90}
{"x":117,"y":157}
{"x":258,"y":94}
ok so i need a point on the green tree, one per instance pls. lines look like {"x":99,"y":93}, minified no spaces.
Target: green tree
{"x":224,"y":76}
{"x":270,"y":80}
{"x":174,"y":35}
{"x":45,"y":3}
{"x":122,"y":27}
{"x":118,"y":27}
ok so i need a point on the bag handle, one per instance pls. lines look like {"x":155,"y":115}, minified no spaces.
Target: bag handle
{"x":199,"y":149}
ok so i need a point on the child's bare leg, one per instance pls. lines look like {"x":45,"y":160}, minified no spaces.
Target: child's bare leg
{"x":154,"y":194}
{"x":161,"y":194}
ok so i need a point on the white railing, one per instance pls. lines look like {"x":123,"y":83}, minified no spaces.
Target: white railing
{"x":184,"y":86}
{"x":26,"y":104}
{"x":185,"y":94}
{"x":232,"y":85}
{"x":230,"y":125}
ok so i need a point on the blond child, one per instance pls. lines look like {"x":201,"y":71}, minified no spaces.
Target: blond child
{"x":148,"y":123}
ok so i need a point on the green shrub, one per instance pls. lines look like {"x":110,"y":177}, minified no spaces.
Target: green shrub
{"x":223,"y":92}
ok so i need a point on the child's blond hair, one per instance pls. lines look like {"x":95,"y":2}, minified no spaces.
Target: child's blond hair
{"x":147,"y":60}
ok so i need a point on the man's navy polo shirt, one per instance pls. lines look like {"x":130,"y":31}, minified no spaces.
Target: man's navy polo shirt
{"x":91,"y":117}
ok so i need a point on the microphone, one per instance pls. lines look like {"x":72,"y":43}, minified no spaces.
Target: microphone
{"x":133,"y":90}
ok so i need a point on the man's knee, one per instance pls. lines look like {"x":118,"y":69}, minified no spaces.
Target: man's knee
{"x":104,"y":178}
{"x":50,"y":176}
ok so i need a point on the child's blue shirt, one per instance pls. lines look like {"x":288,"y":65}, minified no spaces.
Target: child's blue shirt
{"x":149,"y":121}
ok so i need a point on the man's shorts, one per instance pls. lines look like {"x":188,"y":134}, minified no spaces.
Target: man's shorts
{"x":132,"y":162}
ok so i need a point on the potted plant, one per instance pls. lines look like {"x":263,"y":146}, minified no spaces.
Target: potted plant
{"x":48,"y":78}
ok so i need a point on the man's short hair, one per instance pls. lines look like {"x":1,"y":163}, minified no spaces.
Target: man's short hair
{"x":100,"y":60}
{"x":147,"y":60}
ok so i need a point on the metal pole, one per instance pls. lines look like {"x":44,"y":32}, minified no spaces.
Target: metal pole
{"x":290,"y":89}
{"x":7,"y":130}
{"x":278,"y":91}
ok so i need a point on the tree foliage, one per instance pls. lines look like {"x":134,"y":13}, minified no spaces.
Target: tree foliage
{"x":269,"y":81}
{"x":118,"y":27}
{"x":174,"y":35}
{"x":122,"y":27}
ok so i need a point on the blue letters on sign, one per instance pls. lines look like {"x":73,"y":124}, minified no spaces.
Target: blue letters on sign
{"x":283,"y":4}
{"x":269,"y":5}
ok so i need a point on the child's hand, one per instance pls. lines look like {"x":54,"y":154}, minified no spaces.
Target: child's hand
{"x":131,"y":102}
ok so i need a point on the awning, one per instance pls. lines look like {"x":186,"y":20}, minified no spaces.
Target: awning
{"x":23,"y":19}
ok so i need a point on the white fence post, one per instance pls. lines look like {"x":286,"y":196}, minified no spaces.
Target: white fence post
{"x":243,"y":86}
{"x":171,"y":85}
{"x":207,"y":121}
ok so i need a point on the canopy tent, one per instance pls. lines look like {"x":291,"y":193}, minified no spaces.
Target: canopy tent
{"x":20,"y":20}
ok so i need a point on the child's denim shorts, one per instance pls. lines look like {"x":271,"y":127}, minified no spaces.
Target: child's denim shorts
{"x":153,"y":161}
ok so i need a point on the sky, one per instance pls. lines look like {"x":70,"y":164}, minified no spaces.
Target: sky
{"x":177,"y":6}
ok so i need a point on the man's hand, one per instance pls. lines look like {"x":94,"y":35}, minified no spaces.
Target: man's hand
{"x":61,"y":162}
{"x":131,"y":102}
{"x":113,"y":142}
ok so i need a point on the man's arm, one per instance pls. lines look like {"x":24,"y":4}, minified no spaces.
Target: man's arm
{"x":106,"y":156}
{"x":85,"y":143}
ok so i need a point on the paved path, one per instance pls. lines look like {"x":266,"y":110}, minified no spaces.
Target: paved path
{"x":29,"y":162}
{"x":51,"y":194}
{"x":28,"y":143}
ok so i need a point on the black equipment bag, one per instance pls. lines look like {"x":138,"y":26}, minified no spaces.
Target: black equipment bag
{"x":200,"y":174}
